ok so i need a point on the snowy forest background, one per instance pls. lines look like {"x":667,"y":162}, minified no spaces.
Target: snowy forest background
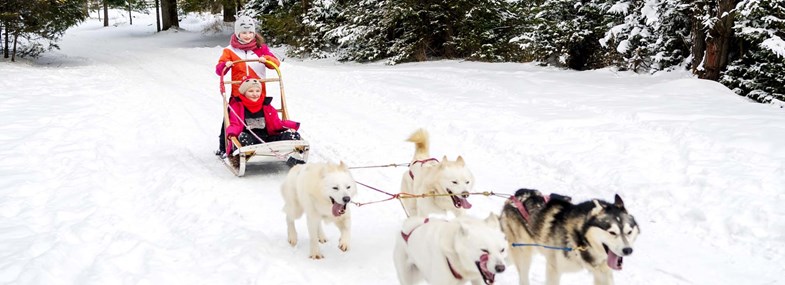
{"x":738,"y":43}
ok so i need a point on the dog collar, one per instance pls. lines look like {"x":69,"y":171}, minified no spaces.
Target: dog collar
{"x":452,"y":270}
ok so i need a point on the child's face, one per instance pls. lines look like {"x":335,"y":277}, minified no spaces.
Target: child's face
{"x":246,"y":36}
{"x":253,"y":93}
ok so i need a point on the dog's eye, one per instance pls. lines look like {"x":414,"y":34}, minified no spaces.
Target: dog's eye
{"x":455,"y":182}
{"x":349,"y":187}
{"x":613,"y":233}
{"x":335,"y":188}
{"x":484,"y":250}
{"x":502,"y":250}
{"x":467,"y":182}
{"x":629,"y":232}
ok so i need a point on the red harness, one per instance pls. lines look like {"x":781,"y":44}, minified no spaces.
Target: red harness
{"x":521,"y":208}
{"x":454,"y":273}
{"x":421,"y":161}
{"x":406,"y":236}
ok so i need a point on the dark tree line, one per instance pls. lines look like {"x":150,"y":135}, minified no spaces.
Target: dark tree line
{"x":737,"y":42}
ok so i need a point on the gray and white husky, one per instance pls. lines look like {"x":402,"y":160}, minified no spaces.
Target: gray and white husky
{"x":598,"y":234}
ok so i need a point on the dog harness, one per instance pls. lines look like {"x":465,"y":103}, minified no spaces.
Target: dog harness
{"x":521,"y":208}
{"x":421,"y":161}
{"x":454,"y":273}
{"x":406,"y":236}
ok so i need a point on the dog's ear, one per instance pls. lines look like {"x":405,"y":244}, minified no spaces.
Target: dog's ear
{"x":459,"y":160}
{"x":618,"y":202}
{"x":493,"y":221}
{"x":597,"y":207}
{"x":443,"y":163}
{"x":343,"y":165}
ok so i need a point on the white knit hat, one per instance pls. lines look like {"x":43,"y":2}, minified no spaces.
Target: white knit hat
{"x":248,"y":83}
{"x":244,"y":24}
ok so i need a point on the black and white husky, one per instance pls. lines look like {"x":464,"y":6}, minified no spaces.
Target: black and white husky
{"x":594,"y":235}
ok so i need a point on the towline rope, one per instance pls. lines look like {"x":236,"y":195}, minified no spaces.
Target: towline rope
{"x":580,"y":248}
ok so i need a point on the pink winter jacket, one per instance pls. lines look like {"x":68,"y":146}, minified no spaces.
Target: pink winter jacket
{"x":273,"y":123}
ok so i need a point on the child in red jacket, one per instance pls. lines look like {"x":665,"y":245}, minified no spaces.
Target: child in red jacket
{"x":260,"y":118}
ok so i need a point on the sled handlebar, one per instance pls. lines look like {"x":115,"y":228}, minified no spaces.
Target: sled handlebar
{"x":262,"y":60}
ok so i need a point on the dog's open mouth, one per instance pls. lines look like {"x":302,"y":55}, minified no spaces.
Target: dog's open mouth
{"x":614,"y":261}
{"x":487,"y":276}
{"x":459,"y":201}
{"x":338,"y":208}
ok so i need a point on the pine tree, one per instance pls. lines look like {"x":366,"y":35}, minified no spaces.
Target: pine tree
{"x":35,"y":26}
{"x":321,"y":36}
{"x":672,"y":45}
{"x":653,"y":36}
{"x":633,"y":37}
{"x":758,"y":71}
{"x":568,"y":32}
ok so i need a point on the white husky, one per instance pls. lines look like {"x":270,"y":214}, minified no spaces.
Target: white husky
{"x":429,"y":176}
{"x":322,"y":191}
{"x":461,"y":250}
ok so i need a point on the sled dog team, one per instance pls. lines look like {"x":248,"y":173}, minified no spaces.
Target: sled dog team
{"x":594,"y":235}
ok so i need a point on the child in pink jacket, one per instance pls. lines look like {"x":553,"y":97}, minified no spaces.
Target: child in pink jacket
{"x":260,"y":118}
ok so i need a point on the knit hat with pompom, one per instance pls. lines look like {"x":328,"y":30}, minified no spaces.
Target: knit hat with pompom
{"x":244,"y":24}
{"x":250,"y":82}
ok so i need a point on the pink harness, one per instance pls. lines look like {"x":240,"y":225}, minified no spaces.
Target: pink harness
{"x":406,"y":236}
{"x":421,"y":161}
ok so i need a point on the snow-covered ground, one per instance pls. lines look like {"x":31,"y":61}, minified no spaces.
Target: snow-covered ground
{"x":107,"y":174}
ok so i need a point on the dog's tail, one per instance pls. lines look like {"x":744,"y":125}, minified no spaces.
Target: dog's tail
{"x":421,"y":144}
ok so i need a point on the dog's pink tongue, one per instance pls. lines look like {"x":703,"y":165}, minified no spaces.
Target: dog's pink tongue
{"x":614,"y":261}
{"x":487,"y":274}
{"x":338,"y":209}
{"x":465,"y":203}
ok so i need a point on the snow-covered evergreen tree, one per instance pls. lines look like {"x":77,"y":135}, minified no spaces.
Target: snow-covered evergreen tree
{"x":633,"y":36}
{"x":653,"y":36}
{"x":568,"y":32}
{"x":671,"y":48}
{"x":758,"y":71}
{"x":320,"y":37}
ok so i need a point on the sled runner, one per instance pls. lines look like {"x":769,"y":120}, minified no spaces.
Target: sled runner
{"x":290,"y":151}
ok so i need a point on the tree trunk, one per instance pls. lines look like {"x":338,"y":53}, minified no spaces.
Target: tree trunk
{"x":106,"y":14}
{"x":157,"y":16}
{"x":169,"y":14}
{"x":5,"y":51}
{"x":230,"y":9}
{"x":718,"y":41}
{"x":698,"y":36}
{"x":130,"y":18}
{"x":306,"y":6}
{"x":13,"y":53}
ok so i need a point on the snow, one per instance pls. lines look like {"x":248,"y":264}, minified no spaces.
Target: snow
{"x":776,"y":45}
{"x":108,"y":175}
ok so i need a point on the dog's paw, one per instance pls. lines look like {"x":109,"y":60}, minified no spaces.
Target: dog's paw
{"x":316,"y":256}
{"x":343,"y":246}
{"x":322,"y":240}
{"x":293,"y":241}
